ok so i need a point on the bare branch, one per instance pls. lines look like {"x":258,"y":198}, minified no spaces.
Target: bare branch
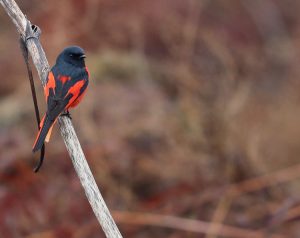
{"x":67,"y":131}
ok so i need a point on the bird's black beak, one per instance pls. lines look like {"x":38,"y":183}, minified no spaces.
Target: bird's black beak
{"x":82,"y":57}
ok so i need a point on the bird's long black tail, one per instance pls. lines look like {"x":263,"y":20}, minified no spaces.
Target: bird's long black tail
{"x":45,"y":126}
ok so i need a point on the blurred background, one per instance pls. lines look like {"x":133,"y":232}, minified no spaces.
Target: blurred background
{"x":190,"y":123}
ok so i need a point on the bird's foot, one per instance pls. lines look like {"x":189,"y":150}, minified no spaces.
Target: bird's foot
{"x":66,"y":114}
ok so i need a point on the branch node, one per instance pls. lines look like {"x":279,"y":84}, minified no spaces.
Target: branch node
{"x":32,"y":31}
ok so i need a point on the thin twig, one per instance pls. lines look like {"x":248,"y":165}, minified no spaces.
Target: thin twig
{"x":186,"y":224}
{"x":268,"y":180}
{"x":220,"y":214}
{"x":67,"y":131}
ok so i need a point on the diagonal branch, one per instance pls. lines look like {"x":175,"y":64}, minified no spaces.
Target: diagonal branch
{"x":67,"y":131}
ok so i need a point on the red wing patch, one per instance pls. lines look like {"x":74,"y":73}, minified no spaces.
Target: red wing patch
{"x":50,"y":84}
{"x":64,"y":79}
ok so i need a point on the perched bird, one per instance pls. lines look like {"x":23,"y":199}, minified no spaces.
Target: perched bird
{"x":66,"y":84}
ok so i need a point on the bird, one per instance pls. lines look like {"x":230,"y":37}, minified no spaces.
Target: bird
{"x":65,"y":87}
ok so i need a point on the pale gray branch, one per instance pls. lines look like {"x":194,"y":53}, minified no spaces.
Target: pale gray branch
{"x":67,"y":131}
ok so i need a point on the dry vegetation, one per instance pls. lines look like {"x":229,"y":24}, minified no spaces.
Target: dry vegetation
{"x":190,"y":123}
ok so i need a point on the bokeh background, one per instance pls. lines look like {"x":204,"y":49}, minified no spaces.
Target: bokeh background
{"x":190,"y":123}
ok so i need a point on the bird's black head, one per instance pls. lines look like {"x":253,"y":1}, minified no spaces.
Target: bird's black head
{"x":73,"y":55}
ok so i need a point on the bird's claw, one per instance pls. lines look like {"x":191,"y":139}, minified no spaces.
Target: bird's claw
{"x":66,"y":114}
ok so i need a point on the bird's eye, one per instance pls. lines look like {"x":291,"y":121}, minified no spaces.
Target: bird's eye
{"x":71,"y":55}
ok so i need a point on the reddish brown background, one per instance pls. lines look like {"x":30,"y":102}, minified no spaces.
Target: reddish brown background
{"x":189,"y":101}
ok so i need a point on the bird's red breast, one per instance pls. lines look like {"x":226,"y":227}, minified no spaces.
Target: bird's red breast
{"x":75,"y":91}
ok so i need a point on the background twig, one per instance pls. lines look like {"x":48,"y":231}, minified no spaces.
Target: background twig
{"x":187,"y":225}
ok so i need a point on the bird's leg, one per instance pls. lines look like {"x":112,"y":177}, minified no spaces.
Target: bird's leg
{"x":66,"y":114}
